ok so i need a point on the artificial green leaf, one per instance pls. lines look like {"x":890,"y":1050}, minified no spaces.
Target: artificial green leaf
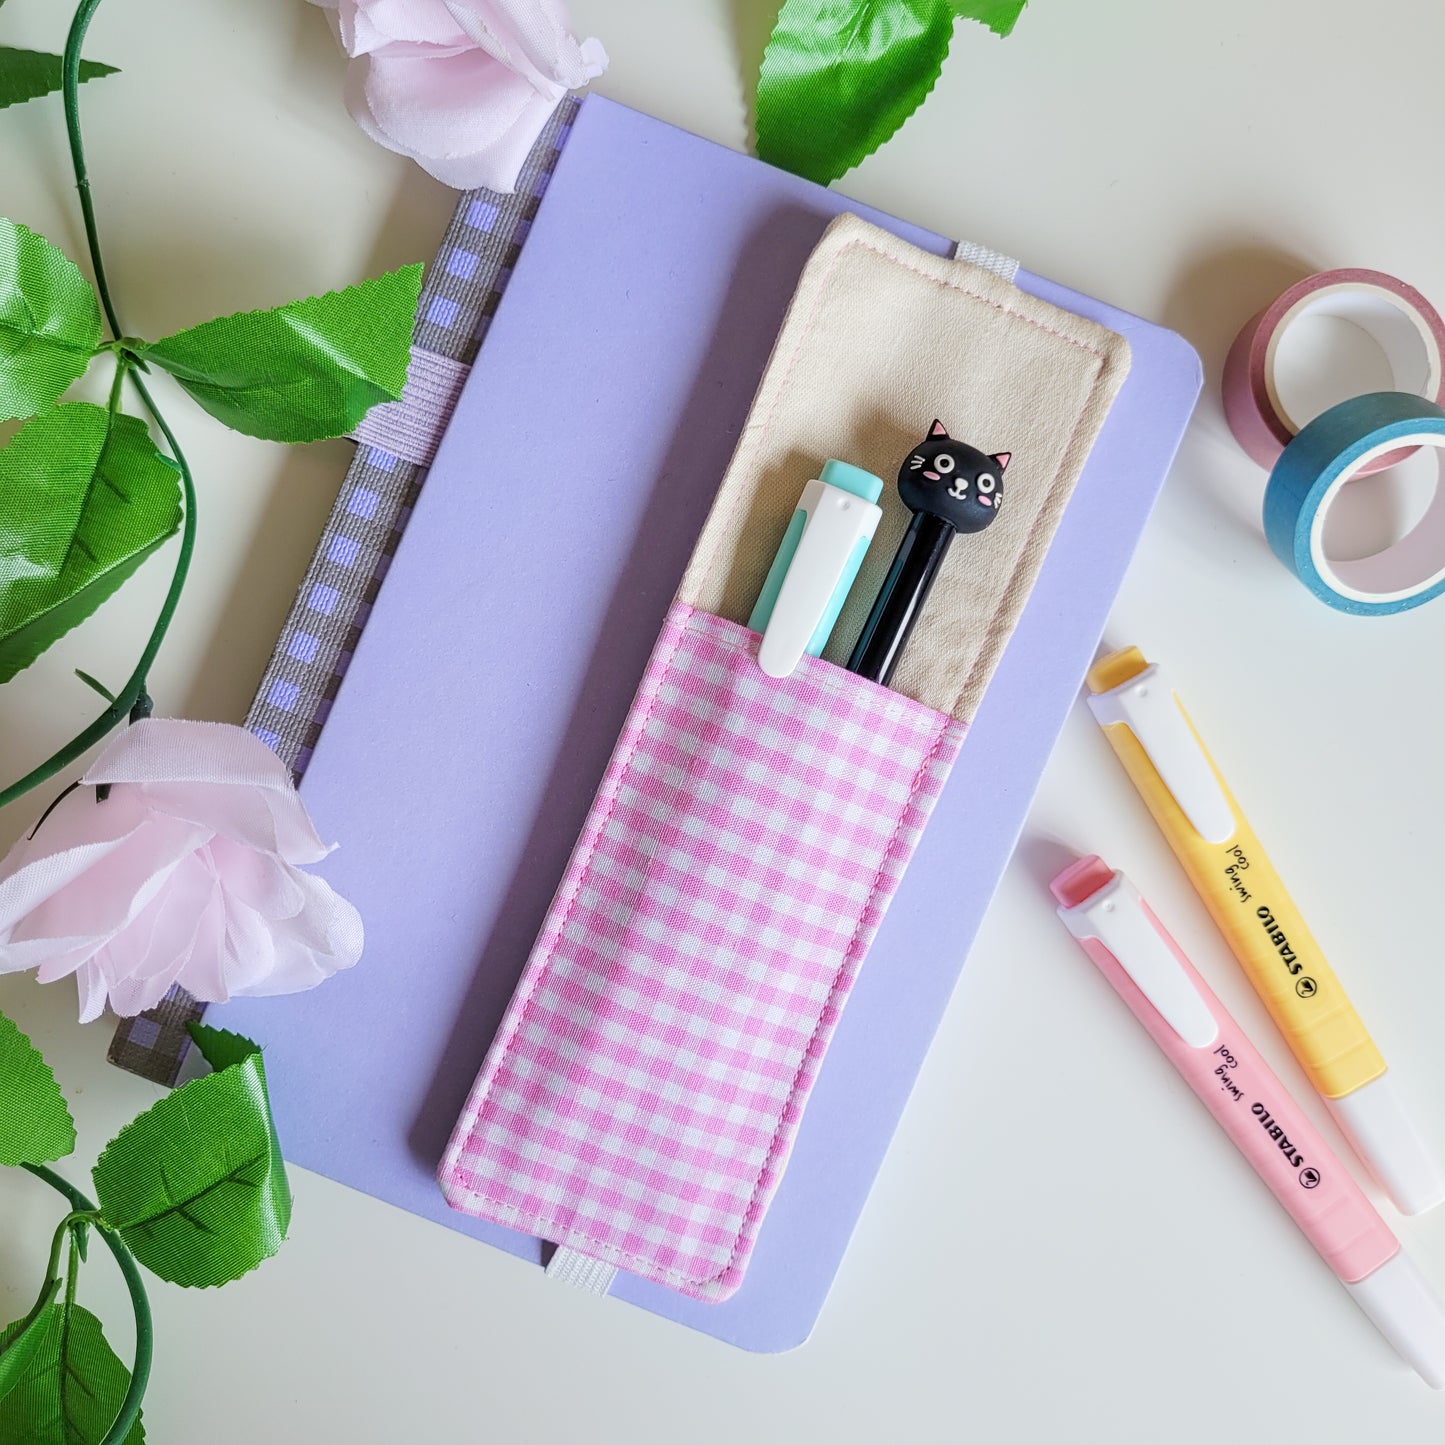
{"x":35,"y":1125}
{"x":49,"y":322}
{"x":999,"y":15}
{"x":220,"y":1048}
{"x":307,"y":370}
{"x":20,"y":1341}
{"x":72,"y":1389}
{"x":29,"y":74}
{"x":85,"y":498}
{"x":196,"y":1186}
{"x":840,"y":76}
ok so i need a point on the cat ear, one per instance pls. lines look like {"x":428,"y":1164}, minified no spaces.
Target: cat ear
{"x":1003,"y":459}
{"x":937,"y":429}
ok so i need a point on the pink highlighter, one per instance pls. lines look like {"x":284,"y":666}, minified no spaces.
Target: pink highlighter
{"x":1119,"y":931}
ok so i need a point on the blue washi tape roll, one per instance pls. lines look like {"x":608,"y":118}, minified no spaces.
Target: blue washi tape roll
{"x":1327,"y":453}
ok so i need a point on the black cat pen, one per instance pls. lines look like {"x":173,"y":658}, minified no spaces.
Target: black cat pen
{"x":950,"y":488}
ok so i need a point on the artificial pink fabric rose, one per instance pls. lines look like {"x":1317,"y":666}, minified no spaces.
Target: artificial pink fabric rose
{"x":463,"y":87}
{"x":185,"y":873}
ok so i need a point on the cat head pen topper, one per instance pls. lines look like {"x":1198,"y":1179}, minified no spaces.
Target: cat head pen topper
{"x":950,"y":487}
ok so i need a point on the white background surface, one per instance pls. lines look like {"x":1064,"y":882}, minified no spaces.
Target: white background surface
{"x":1088,"y":1259}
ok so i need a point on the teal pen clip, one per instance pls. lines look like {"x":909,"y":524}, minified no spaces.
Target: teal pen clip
{"x":816,"y":565}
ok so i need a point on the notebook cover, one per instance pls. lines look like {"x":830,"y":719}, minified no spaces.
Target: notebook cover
{"x":498,"y":661}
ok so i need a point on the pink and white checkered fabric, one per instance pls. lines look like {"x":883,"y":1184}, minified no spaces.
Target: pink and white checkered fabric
{"x":642,"y":1094}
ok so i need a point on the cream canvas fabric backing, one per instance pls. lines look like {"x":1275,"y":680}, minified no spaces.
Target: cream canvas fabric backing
{"x":881,"y":338}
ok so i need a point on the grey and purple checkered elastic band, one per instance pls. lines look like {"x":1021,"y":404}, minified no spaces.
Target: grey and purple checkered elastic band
{"x":396,"y":443}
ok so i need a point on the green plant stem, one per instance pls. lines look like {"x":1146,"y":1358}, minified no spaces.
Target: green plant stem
{"x":135,"y":689}
{"x":117,"y":385}
{"x":50,"y":1285}
{"x":141,"y":1369}
{"x":72,"y":1270}
{"x":52,"y":1269}
{"x":70,"y":85}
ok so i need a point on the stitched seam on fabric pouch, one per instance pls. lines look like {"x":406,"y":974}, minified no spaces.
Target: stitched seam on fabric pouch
{"x":644,"y":1264}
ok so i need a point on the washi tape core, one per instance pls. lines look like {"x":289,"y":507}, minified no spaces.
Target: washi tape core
{"x":1376,"y":511}
{"x":1345,"y":341}
{"x":1413,"y":565}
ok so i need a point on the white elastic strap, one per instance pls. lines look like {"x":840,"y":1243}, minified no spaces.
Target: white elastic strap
{"x":577,"y":1269}
{"x":412,"y":427}
{"x":994,"y":261}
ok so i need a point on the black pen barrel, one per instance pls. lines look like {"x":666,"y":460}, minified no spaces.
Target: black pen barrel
{"x":901,"y":599}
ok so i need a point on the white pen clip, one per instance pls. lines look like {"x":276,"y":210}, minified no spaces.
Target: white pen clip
{"x":1115,"y":915}
{"x":1146,"y":705}
{"x":837,"y":528}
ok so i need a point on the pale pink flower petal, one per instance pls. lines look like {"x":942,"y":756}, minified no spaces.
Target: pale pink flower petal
{"x":255,"y":880}
{"x":533,"y":39}
{"x":362,"y":28}
{"x":458,"y":138}
{"x":262,"y":819}
{"x":463,"y":87}
{"x":421,"y":22}
{"x":250,"y":946}
{"x":205,"y":971}
{"x":51,"y":958}
{"x":29,"y":884}
{"x":92,"y":993}
{"x":219,"y":776}
{"x":184,"y":874}
{"x":178,"y":750}
{"x":117,"y":886}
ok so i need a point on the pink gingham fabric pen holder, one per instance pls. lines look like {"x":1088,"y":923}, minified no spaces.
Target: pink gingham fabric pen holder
{"x":639,"y":1101}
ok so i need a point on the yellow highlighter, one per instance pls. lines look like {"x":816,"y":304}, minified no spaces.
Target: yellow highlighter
{"x":1148,"y":728}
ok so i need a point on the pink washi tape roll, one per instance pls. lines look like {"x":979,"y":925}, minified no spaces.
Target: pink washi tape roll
{"x":1330,"y":337}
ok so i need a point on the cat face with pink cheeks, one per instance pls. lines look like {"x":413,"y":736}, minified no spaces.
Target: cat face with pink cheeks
{"x":952,"y":480}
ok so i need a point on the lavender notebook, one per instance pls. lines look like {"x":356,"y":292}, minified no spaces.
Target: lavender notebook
{"x":498,"y":660}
